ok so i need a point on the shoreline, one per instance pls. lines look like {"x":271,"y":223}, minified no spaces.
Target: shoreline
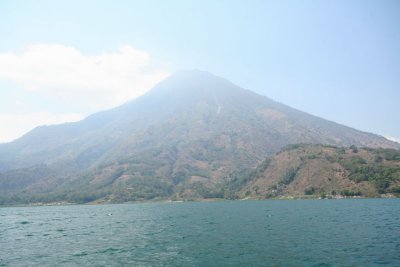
{"x":95,"y":203}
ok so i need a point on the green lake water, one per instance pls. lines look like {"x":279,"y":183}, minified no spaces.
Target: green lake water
{"x":348,"y":232}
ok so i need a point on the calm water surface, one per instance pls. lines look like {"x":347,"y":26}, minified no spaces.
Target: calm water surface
{"x":352,"y":232}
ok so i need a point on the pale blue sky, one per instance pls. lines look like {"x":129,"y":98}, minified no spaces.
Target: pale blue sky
{"x":339,"y":60}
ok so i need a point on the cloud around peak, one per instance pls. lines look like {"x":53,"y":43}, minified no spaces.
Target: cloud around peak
{"x":64,"y":72}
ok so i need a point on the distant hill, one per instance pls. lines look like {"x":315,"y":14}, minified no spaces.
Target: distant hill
{"x":320,"y":170}
{"x":186,"y":137}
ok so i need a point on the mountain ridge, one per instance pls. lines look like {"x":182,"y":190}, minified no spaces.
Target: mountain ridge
{"x":192,"y":128}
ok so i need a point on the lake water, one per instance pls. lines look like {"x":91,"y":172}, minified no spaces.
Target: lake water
{"x":349,"y":232}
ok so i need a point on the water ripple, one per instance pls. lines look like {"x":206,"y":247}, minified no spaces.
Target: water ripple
{"x":232,"y":233}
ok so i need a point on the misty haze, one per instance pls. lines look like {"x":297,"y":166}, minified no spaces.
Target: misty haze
{"x":188,"y":133}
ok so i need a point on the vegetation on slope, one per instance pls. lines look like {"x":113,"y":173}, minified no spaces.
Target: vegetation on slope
{"x":296,"y":171}
{"x":321,"y":170}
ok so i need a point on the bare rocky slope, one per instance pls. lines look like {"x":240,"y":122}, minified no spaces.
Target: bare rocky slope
{"x":187,"y":137}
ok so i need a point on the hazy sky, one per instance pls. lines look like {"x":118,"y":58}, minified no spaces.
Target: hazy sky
{"x":63,"y":60}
